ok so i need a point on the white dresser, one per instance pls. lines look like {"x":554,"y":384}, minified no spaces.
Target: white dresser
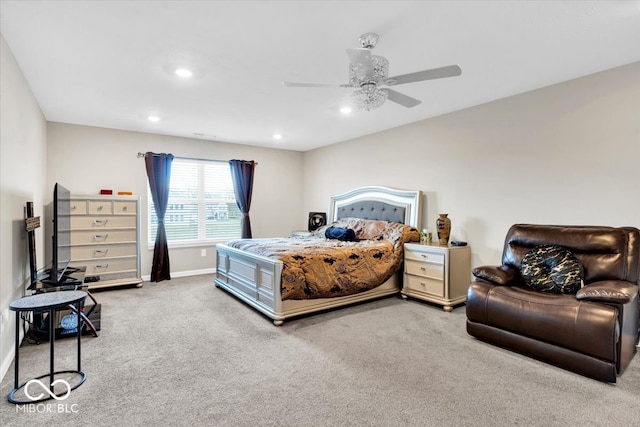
{"x":438,"y":274}
{"x":105,"y":237}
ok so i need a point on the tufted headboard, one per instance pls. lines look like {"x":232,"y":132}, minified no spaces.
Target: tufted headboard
{"x":379,"y":203}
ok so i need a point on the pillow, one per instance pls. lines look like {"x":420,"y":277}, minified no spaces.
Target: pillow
{"x":344,"y":234}
{"x":552,"y":269}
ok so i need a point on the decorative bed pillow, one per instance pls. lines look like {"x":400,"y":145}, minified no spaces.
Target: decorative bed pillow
{"x":552,"y":269}
{"x":368,"y":229}
{"x":344,"y":234}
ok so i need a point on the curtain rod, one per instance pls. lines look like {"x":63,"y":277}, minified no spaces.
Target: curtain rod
{"x":189,"y":158}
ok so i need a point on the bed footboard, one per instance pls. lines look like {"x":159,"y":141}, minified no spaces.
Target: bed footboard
{"x":256,"y":280}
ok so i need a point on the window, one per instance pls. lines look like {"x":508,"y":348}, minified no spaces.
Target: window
{"x":202,"y":205}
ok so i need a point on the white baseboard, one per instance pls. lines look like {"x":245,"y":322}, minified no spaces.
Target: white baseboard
{"x":9,"y":356}
{"x":186,"y":273}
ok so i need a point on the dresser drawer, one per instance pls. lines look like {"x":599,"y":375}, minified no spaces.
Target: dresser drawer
{"x":102,"y":236}
{"x":424,"y":269}
{"x":102,"y":251}
{"x":78,"y":207}
{"x":424,"y":284}
{"x":124,"y":207}
{"x":100,"y":207}
{"x":423,"y":255}
{"x":102,"y":222}
{"x":97,"y":267}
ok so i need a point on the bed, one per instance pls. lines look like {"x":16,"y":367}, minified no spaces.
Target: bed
{"x":252,"y":269}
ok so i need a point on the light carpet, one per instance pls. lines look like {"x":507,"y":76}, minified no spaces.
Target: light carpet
{"x":184,"y":353}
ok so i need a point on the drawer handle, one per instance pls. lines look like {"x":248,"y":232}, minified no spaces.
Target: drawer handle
{"x":100,"y":237}
{"x":423,"y":284}
{"x":102,"y":266}
{"x":100,"y":207}
{"x":100,"y":222}
{"x":423,"y":269}
{"x":424,"y":256}
{"x":74,"y":207}
{"x":100,"y":251}
{"x":124,"y":208}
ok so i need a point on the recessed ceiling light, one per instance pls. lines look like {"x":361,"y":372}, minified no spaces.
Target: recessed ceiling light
{"x":277,"y":136}
{"x":153,"y":118}
{"x":183,"y":72}
{"x":345,"y":110}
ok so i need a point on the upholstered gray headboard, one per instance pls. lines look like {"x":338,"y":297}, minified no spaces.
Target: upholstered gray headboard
{"x":372,"y":210}
{"x":379,"y":203}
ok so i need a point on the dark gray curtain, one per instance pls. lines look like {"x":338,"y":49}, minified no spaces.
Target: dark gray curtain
{"x":242,"y":175}
{"x":159,"y":174}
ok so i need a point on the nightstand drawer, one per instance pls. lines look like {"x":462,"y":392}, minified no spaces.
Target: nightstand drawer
{"x":424,"y":269}
{"x":423,"y":255}
{"x":424,"y":284}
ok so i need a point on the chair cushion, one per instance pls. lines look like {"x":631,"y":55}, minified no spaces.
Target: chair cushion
{"x":550,"y":268}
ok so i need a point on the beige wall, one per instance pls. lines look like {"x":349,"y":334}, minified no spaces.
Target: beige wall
{"x":86,"y":159}
{"x":22,"y":179}
{"x":565,"y":154}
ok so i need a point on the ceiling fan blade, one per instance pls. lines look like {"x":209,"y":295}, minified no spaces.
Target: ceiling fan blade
{"x":435,"y":73}
{"x":294,"y":84}
{"x":361,"y":61}
{"x":401,"y":98}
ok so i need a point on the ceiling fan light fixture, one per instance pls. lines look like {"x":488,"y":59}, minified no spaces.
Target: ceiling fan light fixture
{"x":369,"y":100}
{"x":379,"y":75}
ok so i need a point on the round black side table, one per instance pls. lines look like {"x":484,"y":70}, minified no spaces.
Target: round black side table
{"x":40,"y":303}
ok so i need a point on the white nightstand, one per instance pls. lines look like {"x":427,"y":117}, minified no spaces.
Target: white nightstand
{"x":438,"y":274}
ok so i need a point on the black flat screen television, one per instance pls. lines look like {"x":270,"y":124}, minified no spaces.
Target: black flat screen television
{"x":61,"y":237}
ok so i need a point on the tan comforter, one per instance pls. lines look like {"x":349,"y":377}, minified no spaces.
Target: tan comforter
{"x":316,"y":267}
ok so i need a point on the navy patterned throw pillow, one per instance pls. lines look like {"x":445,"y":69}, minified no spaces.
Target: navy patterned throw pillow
{"x":552,"y":269}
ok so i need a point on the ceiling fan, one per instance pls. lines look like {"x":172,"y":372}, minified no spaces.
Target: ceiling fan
{"x":369,"y":72}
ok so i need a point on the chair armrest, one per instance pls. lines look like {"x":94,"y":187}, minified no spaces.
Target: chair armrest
{"x":503,"y":275}
{"x":611,"y":291}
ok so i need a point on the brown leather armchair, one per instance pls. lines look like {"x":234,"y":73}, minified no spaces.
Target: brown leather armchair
{"x":594,"y":332}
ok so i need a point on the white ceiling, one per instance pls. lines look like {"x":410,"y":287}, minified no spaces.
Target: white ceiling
{"x":111,"y":63}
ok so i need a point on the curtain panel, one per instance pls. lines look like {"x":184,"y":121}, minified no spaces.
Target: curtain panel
{"x":159,"y":174}
{"x":242,"y":176}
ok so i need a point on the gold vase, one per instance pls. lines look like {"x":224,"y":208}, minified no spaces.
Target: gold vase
{"x":443,"y":224}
